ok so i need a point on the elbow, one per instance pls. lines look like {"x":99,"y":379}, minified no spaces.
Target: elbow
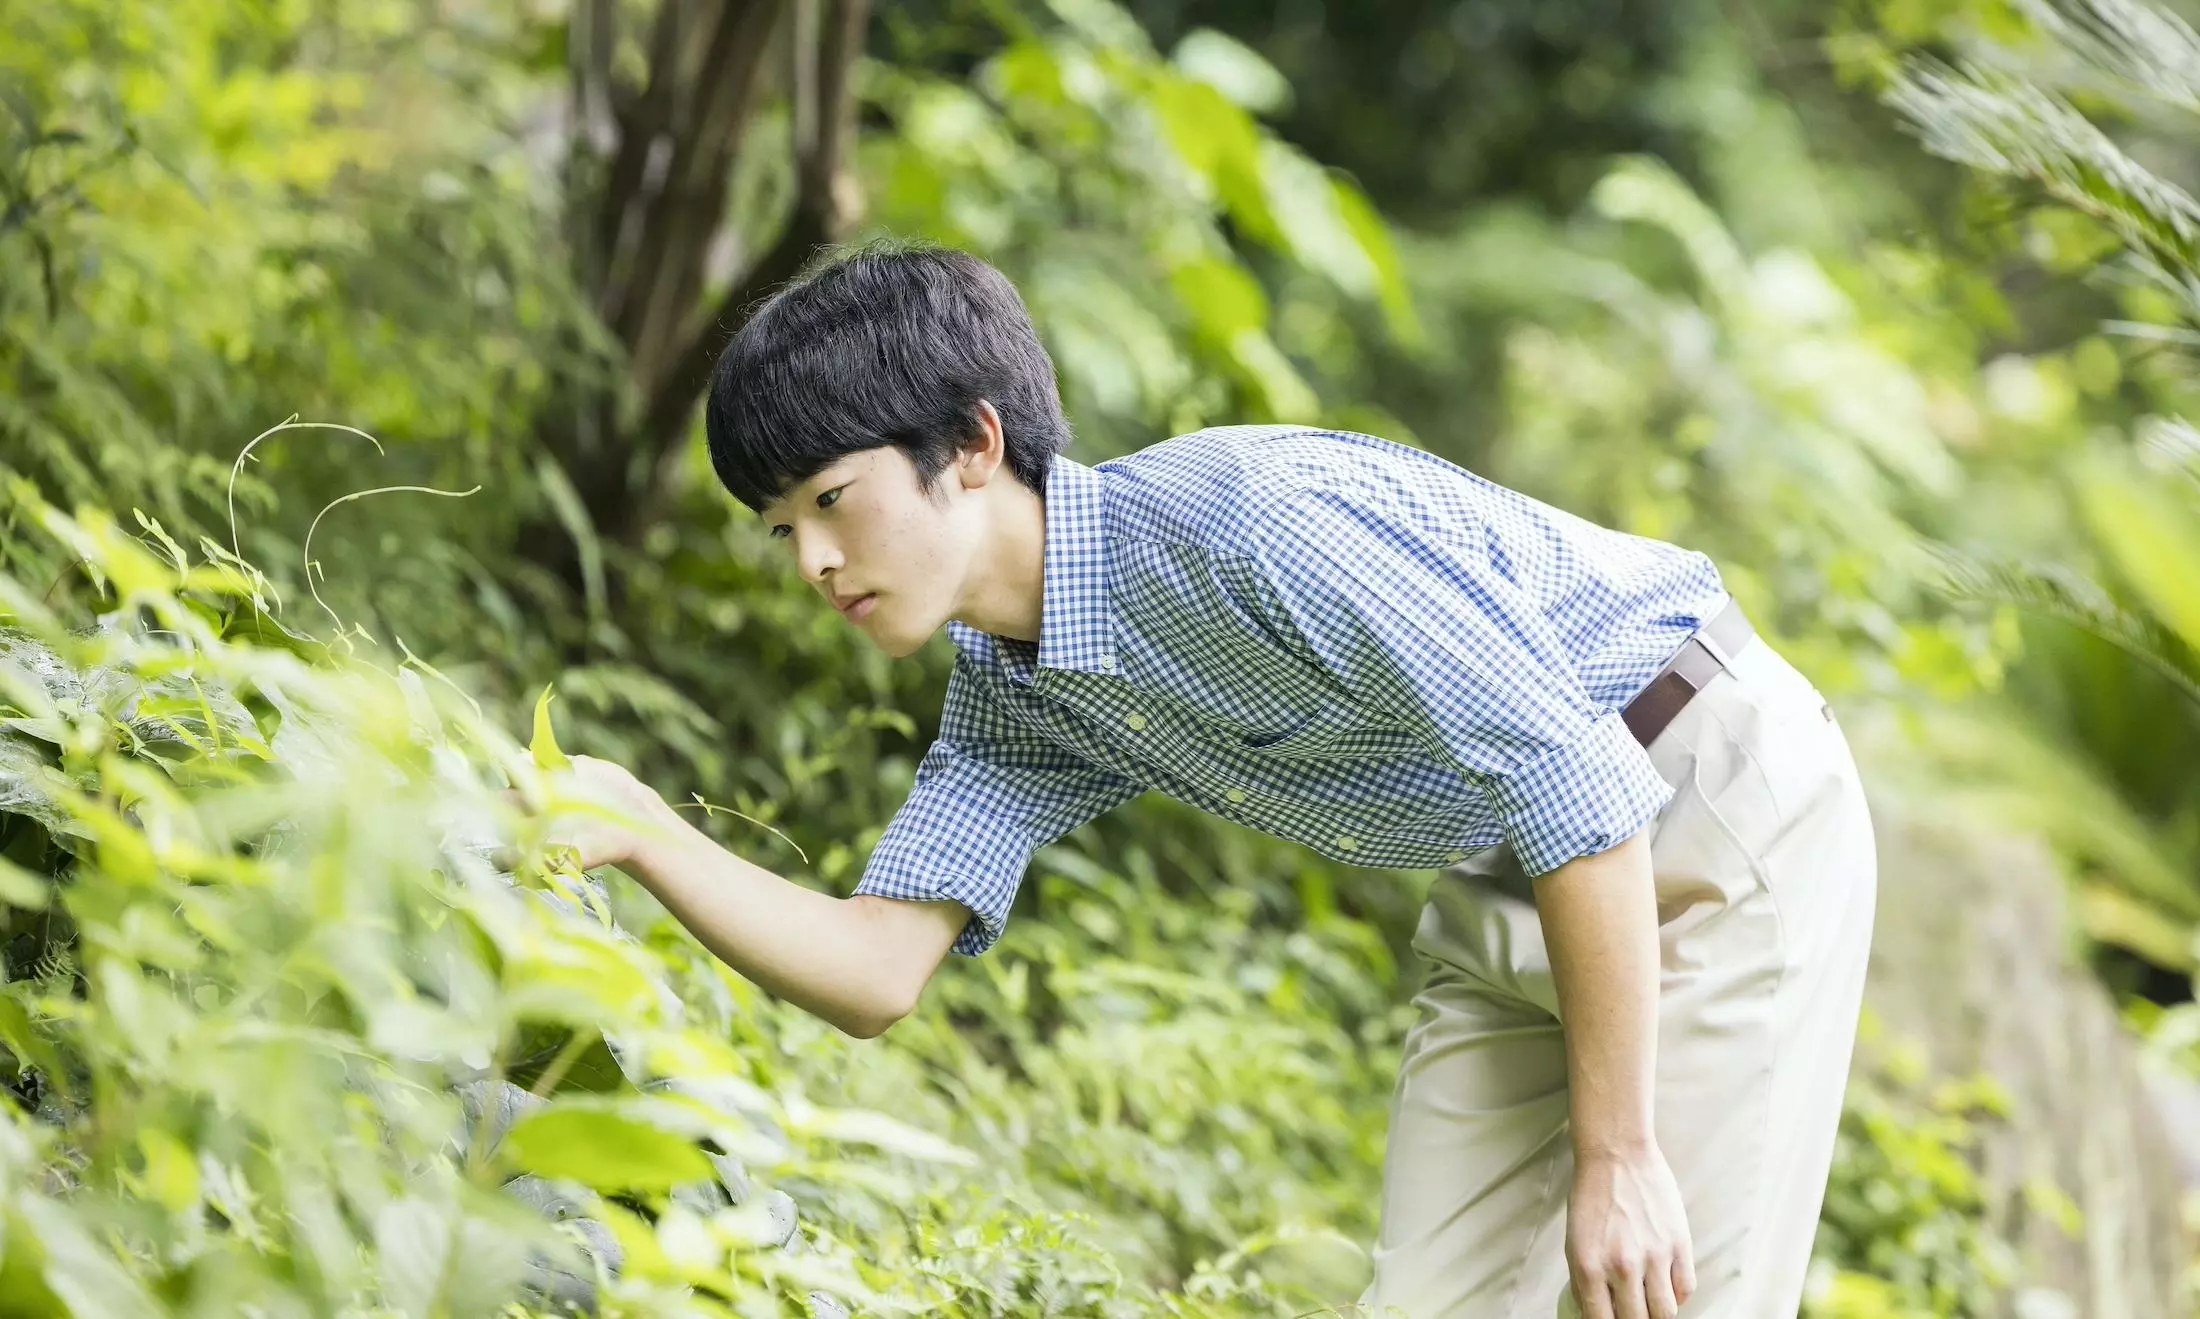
{"x":870,"y":1020}
{"x":905,"y":941}
{"x":866,"y":1028}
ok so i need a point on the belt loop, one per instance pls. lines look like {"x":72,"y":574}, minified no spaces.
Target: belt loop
{"x":1703,"y":637}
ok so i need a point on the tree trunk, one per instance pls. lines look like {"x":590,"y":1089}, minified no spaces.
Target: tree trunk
{"x":1973,"y":960}
{"x":648,"y":177}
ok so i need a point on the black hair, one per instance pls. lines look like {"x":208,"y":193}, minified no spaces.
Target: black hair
{"x":890,"y":343}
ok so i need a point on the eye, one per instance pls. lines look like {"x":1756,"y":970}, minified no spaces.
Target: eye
{"x":826,"y":500}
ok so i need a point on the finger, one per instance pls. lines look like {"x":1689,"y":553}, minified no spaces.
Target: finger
{"x":1684,"y":1275}
{"x":1593,"y":1295}
{"x":1628,"y":1300}
{"x":1658,"y":1288}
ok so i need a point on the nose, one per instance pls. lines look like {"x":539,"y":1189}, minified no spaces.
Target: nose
{"x":815,"y":554}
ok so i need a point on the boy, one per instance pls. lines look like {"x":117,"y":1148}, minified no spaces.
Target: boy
{"x":1648,"y":825}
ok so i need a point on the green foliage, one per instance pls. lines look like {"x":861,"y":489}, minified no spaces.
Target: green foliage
{"x":1110,"y":182}
{"x":1905,"y":1233}
{"x":256,"y":959}
{"x":2059,"y":107}
{"x":1749,"y":405}
{"x":245,"y":1083}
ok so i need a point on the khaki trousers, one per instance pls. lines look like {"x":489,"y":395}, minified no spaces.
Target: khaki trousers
{"x":1766,"y":879}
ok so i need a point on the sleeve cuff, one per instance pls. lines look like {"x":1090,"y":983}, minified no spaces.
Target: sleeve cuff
{"x":890,"y":875}
{"x":953,"y":840}
{"x":1579,"y":799}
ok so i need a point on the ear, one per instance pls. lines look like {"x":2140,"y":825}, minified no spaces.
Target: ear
{"x":985,"y":450}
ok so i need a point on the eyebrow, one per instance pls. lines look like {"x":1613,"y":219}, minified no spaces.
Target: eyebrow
{"x":784,"y":496}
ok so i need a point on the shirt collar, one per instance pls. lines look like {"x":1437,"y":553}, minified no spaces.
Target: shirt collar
{"x":1077,"y":627}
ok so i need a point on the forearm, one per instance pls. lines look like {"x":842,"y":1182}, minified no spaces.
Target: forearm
{"x":858,"y":963}
{"x":1600,"y":925}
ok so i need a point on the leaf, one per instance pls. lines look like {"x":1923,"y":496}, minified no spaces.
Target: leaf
{"x":1223,"y":143}
{"x":600,"y":1146}
{"x":83,"y":1273}
{"x":2112,"y":916}
{"x":1367,"y":225}
{"x":160,"y":533}
{"x":2059,"y":592}
{"x":1305,"y":203}
{"x":414,"y":1239}
{"x":32,"y":1049}
{"x":1222,"y":297}
{"x":1994,"y":121}
{"x":2154,"y":540}
{"x":1234,"y":69}
{"x":171,"y":1170}
{"x":572,"y":514}
{"x":438,"y":1261}
{"x":544,"y":745}
{"x":863,"y":1127}
{"x":20,"y":887}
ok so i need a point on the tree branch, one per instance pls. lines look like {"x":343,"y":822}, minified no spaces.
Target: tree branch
{"x":591,"y":126}
{"x":686,"y":33}
{"x":690,"y":201}
{"x":826,"y":205}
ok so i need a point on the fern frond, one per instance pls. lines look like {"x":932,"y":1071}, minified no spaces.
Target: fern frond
{"x":2064,"y":593}
{"x":2135,"y":44}
{"x":2170,"y":444}
{"x":1995,"y":121}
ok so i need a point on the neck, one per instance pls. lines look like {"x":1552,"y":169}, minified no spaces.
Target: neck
{"x":1009,"y":598}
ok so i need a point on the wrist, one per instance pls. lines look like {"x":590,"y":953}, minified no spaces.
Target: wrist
{"x":658,"y":836}
{"x":1609,"y":1148}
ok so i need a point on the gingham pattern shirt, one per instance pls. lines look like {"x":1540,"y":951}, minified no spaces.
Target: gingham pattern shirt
{"x":1325,"y":636}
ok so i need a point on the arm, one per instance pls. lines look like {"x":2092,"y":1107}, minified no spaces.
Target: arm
{"x":1600,"y":923}
{"x":987,"y":794}
{"x":1627,"y":1236}
{"x":860,"y":963}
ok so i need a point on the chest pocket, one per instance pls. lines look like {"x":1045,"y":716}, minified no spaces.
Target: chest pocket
{"x":1332,"y":730}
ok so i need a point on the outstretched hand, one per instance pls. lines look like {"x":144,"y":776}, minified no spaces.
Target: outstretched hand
{"x":599,"y":810}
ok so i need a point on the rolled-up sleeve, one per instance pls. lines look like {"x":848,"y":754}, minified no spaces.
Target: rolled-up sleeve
{"x":1419,"y":622}
{"x":988,"y":794}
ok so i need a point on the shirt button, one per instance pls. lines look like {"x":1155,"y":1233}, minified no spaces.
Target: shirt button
{"x":1235,"y":794}
{"x":1107,"y":663}
{"x":1347,"y":843}
{"x":1136,"y":721}
{"x":1455,"y":857}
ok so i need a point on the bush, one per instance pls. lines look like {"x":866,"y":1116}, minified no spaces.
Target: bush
{"x":286,"y":1040}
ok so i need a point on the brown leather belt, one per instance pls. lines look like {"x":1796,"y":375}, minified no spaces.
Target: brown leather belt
{"x":1692,"y":667}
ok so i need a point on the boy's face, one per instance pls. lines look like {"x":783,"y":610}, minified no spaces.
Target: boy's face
{"x":890,"y":557}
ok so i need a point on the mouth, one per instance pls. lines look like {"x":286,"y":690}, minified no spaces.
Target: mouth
{"x":858,"y":609}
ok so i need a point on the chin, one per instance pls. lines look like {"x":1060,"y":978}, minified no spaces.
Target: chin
{"x":900,"y":642}
{"x":899,"y":646}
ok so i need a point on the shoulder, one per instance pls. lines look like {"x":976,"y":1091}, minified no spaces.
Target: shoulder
{"x":1228,"y":487}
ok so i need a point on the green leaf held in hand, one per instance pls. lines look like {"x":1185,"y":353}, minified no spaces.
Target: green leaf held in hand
{"x":544,"y":745}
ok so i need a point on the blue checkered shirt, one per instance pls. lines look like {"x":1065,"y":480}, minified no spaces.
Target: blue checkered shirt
{"x":1325,"y":636}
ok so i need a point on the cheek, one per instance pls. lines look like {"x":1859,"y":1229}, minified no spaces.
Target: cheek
{"x":919,"y":546}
